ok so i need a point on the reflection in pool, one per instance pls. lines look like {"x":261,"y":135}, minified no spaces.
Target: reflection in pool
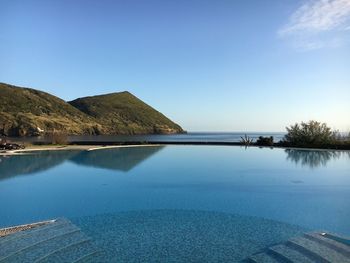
{"x":123,"y":159}
{"x":274,"y":189}
{"x":32,"y":163}
{"x":313,"y":158}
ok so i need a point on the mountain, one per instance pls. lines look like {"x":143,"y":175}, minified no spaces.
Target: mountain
{"x":124,"y":113}
{"x":28,"y":112}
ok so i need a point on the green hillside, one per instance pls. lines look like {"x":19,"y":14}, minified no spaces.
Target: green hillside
{"x":124,"y":113}
{"x":28,"y":112}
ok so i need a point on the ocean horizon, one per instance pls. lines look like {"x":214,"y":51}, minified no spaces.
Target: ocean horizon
{"x":185,"y":137}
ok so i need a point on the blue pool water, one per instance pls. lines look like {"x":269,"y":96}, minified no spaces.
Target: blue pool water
{"x":181,"y":202}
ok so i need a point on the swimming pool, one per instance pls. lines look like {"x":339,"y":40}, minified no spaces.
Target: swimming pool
{"x":179,"y":202}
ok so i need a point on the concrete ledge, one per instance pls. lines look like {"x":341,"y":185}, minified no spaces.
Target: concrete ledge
{"x":13,"y":229}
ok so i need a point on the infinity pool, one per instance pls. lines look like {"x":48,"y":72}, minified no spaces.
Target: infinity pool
{"x":180,"y":203}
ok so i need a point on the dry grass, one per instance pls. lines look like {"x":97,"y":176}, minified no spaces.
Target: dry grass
{"x":58,"y":138}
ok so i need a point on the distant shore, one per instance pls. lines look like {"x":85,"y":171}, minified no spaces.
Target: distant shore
{"x":98,"y":145}
{"x":214,"y":143}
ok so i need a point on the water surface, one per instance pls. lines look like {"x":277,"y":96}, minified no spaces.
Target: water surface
{"x":186,"y":137}
{"x":196,"y":191}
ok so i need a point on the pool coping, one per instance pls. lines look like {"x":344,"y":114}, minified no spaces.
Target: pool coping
{"x":91,"y":147}
{"x":14,"y":229}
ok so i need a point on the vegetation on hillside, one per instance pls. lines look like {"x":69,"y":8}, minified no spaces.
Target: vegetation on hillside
{"x":28,"y":112}
{"x":25,"y":111}
{"x":124,"y":113}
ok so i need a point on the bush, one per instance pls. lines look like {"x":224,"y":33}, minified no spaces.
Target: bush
{"x":312,"y":133}
{"x":58,"y":138}
{"x":265,"y":141}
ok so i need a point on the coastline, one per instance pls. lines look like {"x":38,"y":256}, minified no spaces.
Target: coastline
{"x":94,"y":146}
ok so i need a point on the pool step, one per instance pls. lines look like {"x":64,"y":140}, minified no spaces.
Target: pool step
{"x":290,"y":254}
{"x":17,"y":235}
{"x":309,"y":248}
{"x":59,"y":241}
{"x":263,"y":258}
{"x":71,"y":253}
{"x":330,"y":243}
{"x":36,"y":236}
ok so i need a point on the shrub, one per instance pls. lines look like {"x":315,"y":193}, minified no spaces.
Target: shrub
{"x":56,"y":137}
{"x":265,"y":141}
{"x":246,"y":140}
{"x":312,"y":133}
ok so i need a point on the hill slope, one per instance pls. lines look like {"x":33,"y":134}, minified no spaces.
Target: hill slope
{"x":123,"y":113}
{"x":27,"y":112}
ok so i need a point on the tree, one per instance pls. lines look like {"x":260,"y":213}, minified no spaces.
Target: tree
{"x":312,"y":133}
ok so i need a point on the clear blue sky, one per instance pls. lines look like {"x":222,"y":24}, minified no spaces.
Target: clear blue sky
{"x":218,"y":65}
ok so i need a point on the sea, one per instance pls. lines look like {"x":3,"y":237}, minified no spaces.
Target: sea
{"x":185,"y":137}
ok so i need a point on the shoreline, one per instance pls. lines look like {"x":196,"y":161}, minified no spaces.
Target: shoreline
{"x":94,"y":146}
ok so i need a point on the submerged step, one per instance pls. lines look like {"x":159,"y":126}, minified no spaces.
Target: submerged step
{"x":71,"y":253}
{"x":341,"y":239}
{"x":291,"y":254}
{"x":319,"y":249}
{"x":62,"y":241}
{"x":93,"y":257}
{"x":309,"y":248}
{"x":31,"y":239}
{"x":11,"y":230}
{"x":313,"y":256}
{"x":263,"y":258}
{"x":32,"y":253}
{"x":54,"y":224}
{"x":330,"y":243}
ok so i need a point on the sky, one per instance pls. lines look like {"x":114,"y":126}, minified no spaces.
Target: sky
{"x":209,"y":65}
